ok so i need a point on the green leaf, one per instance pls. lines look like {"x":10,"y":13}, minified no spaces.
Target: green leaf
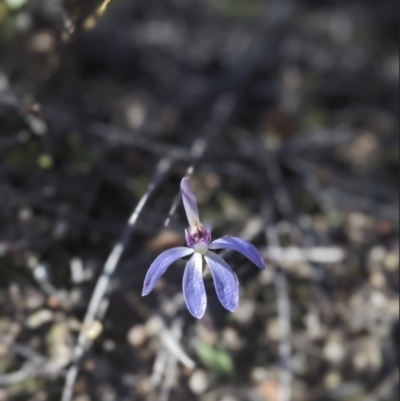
{"x":45,"y":161}
{"x":219,"y":362}
{"x":15,"y":4}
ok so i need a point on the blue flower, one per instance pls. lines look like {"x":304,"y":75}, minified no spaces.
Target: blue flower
{"x":199,"y":245}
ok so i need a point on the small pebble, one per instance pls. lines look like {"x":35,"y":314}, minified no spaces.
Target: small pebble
{"x":34,"y":300}
{"x":269,"y":390}
{"x":144,"y":385}
{"x":54,"y":302}
{"x":77,"y":272}
{"x":25,"y":214}
{"x":36,"y":125}
{"x":378,"y":279}
{"x":23,"y":21}
{"x":32,"y":261}
{"x":266,"y":277}
{"x":377,"y":299}
{"x":391,"y":262}
{"x":232,"y":339}
{"x":153,"y":325}
{"x":207,"y":335}
{"x":377,"y":255}
{"x":334,"y":351}
{"x":332,"y":380}
{"x":274,"y":332}
{"x":40,"y":273}
{"x":393,"y":307}
{"x":368,"y":355}
{"x":135,"y":115}
{"x":244,"y":312}
{"x":4,"y":349}
{"x":39,"y":318}
{"x":199,"y":382}
{"x":313,"y":324}
{"x":92,"y":329}
{"x":359,"y":227}
{"x":109,"y":345}
{"x":259,"y":374}
{"x":42,"y":42}
{"x":89,"y":365}
{"x":137,"y":336}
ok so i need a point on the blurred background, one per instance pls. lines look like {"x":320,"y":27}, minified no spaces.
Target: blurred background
{"x":288,"y":112}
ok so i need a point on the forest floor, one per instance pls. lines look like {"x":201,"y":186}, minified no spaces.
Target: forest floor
{"x":288,"y":113}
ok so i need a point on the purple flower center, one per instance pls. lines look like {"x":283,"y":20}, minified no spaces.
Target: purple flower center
{"x":198,"y":238}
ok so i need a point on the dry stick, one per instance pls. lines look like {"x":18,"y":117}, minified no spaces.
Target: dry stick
{"x":170,"y":346}
{"x":221,"y":112}
{"x":284,"y":313}
{"x":159,"y":366}
{"x":139,"y":140}
{"x":102,"y":283}
{"x":172,"y":362}
{"x":36,"y":365}
{"x":30,"y":368}
{"x":309,"y":240}
{"x":284,"y":205}
{"x":312,"y":254}
{"x":174,"y":348}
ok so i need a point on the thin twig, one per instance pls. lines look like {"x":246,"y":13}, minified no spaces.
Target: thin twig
{"x":33,"y":369}
{"x":169,"y":344}
{"x":36,"y":365}
{"x":284,"y":313}
{"x":168,"y":339}
{"x":138,"y":140}
{"x":102,"y":283}
{"x":159,"y":366}
{"x":220,"y":113}
{"x":172,"y":361}
{"x":316,"y":254}
{"x":284,"y":205}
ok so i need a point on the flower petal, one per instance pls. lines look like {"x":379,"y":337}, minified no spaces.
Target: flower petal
{"x":242,"y":246}
{"x":225,"y":281}
{"x":161,"y":264}
{"x":189,"y":202}
{"x":193,"y":286}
